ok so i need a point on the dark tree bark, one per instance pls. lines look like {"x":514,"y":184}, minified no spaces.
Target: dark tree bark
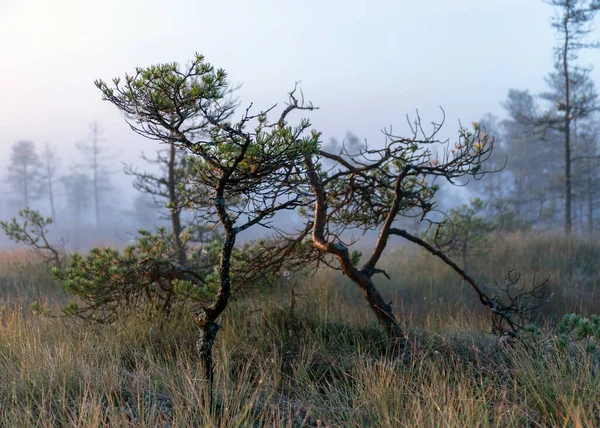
{"x":568,"y":225}
{"x":174,"y":198}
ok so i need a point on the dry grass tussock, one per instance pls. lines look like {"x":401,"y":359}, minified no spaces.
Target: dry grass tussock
{"x":324,"y":363}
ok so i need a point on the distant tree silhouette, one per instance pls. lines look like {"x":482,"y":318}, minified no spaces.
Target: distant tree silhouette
{"x":24,"y":171}
{"x":48,"y":176}
{"x":164,"y":187}
{"x":96,"y":160}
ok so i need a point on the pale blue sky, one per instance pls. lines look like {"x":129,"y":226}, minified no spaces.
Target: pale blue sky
{"x":365,"y":63}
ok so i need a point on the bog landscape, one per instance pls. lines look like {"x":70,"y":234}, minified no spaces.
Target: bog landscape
{"x":254,"y":268}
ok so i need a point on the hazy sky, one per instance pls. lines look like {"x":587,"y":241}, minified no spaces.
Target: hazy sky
{"x":365,"y":63}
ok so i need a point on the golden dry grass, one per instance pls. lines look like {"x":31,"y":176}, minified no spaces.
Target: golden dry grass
{"x":324,"y":364}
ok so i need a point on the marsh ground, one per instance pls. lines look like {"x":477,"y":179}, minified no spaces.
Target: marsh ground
{"x":311,"y":358}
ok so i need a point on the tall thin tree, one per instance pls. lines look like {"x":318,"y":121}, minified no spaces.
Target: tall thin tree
{"x":49,"y":168}
{"x":96,"y":156}
{"x":572,"y":24}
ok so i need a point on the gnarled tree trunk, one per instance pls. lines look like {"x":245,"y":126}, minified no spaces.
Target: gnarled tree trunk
{"x":382,"y":310}
{"x":362,"y":278}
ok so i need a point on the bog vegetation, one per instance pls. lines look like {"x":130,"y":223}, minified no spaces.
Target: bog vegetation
{"x":481,"y":314}
{"x":303,"y":355}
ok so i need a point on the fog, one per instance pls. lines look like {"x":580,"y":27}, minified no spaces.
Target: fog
{"x":366,"y":64}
